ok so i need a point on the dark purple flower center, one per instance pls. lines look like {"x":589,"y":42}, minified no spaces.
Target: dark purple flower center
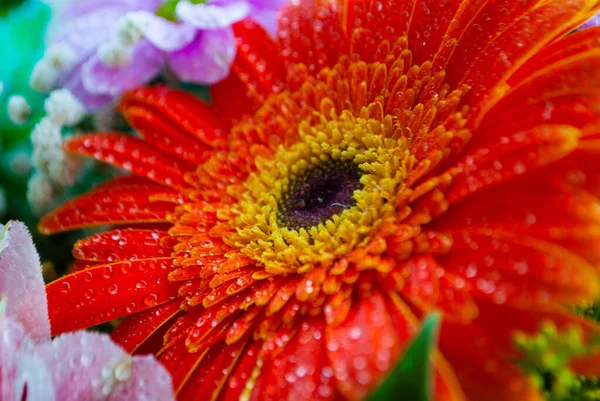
{"x":319,"y":194}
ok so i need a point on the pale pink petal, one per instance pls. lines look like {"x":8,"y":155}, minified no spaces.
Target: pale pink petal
{"x":162,"y":33}
{"x":89,"y":366}
{"x":266,"y":13}
{"x":595,"y":21}
{"x":268,"y":19}
{"x":101,"y":79}
{"x":207,"y":59}
{"x":91,"y":101}
{"x":21,"y":369}
{"x":82,"y":7}
{"x":21,"y":281}
{"x":88,"y":30}
{"x":212,"y":16}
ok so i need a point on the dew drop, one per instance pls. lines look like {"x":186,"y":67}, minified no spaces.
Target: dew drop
{"x":89,"y":293}
{"x":88,"y":276}
{"x":113,"y":289}
{"x":106,"y":272}
{"x":130,"y":308}
{"x":150,"y":300}
{"x":65,"y":287}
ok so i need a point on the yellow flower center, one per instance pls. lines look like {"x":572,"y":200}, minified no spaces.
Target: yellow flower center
{"x":326,"y":194}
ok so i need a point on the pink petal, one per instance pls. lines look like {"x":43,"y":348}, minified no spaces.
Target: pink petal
{"x":21,"y":281}
{"x":100,"y":79}
{"x":207,"y":59}
{"x":92,"y":102}
{"x":85,"y":24}
{"x":212,"y":16}
{"x":595,"y":21}
{"x":82,"y":7}
{"x":266,"y":13}
{"x":89,"y":366}
{"x":164,"y":34}
{"x":268,"y":19}
{"x":85,"y":31}
{"x":20,"y":367}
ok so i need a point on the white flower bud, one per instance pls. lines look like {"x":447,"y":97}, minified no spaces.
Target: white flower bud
{"x":46,"y":133}
{"x":18,"y":109}
{"x":40,"y":193}
{"x":44,"y":76}
{"x":61,"y":56}
{"x":130,"y":29}
{"x":48,"y":156}
{"x":46,"y":139}
{"x":20,"y":164}
{"x":64,"y":168}
{"x":63,"y":108}
{"x":114,"y":54}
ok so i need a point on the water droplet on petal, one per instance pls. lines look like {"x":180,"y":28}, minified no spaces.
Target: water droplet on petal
{"x":106,"y":271}
{"x":113,"y":289}
{"x":150,"y":299}
{"x":65,"y":287}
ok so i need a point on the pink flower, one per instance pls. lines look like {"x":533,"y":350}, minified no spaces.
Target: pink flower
{"x":102,"y":48}
{"x":72,"y":367}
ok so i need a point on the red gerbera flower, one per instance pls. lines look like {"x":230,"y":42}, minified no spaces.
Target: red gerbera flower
{"x":379,"y":160}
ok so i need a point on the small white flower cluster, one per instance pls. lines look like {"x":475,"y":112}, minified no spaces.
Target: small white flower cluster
{"x":18,"y":109}
{"x":59,"y":58}
{"x":119,"y":51}
{"x":55,"y":167}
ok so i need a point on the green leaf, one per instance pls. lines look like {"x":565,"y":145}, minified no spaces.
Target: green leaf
{"x":7,"y":5}
{"x":22,"y":33}
{"x":167,"y":9}
{"x":411,"y":379}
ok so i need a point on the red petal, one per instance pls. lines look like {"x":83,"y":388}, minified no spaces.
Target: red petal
{"x":257,"y":63}
{"x":484,"y":371}
{"x":166,"y":137}
{"x":301,"y":370}
{"x":587,"y":365}
{"x":133,"y":155}
{"x":576,"y":43}
{"x":181,"y":110}
{"x":106,"y":292}
{"x":109,"y":205}
{"x":383,"y":20}
{"x":508,"y":157}
{"x":365,"y":346}
{"x":180,"y":362}
{"x":429,"y":23}
{"x":542,"y":205}
{"x":501,"y":322}
{"x":564,"y":92}
{"x":311,"y":33}
{"x":137,"y":328}
{"x":207,"y":380}
{"x":126,"y":244}
{"x":241,"y":375}
{"x":429,"y":286}
{"x":512,"y":31}
{"x":512,"y":269}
